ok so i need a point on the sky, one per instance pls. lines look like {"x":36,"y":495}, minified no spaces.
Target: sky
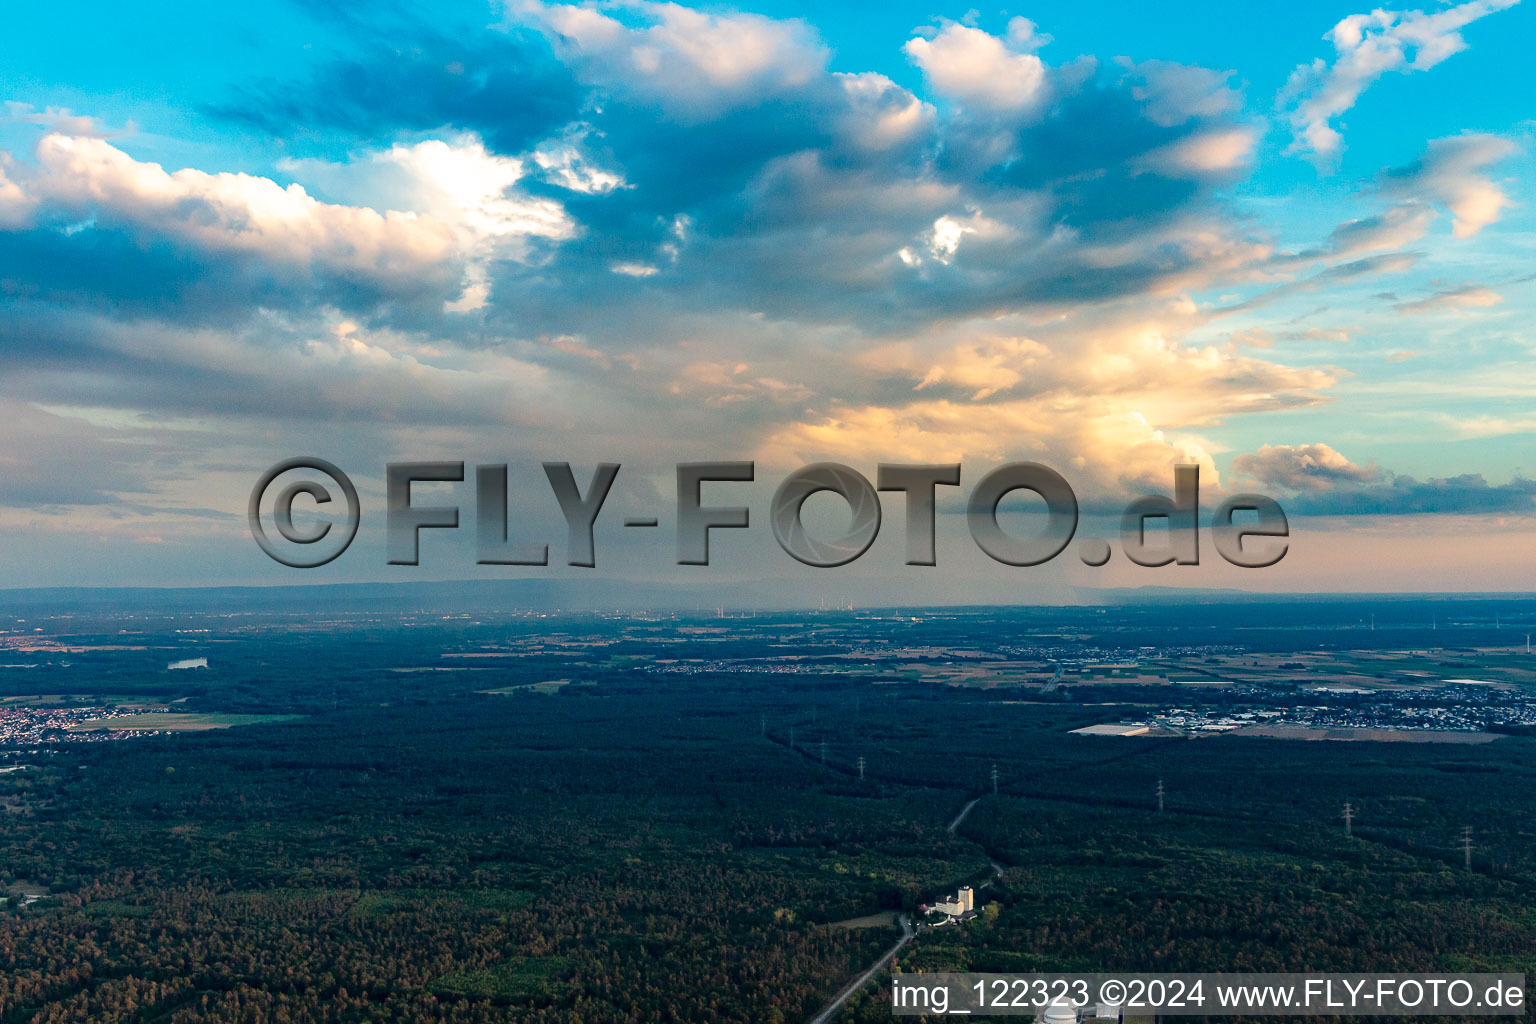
{"x":1295,"y":247}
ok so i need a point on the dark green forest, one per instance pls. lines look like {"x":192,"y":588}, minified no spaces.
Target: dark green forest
{"x":648,"y":846}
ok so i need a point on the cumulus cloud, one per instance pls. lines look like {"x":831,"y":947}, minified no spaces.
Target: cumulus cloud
{"x":689,"y":62}
{"x":880,"y":115}
{"x":463,"y":185}
{"x":1307,"y":467}
{"x":1367,"y":46}
{"x":1119,"y":403}
{"x":460,"y":208}
{"x":982,"y":70}
{"x":15,"y":205}
{"x":86,"y":184}
{"x":998,"y":265}
{"x":460,"y":183}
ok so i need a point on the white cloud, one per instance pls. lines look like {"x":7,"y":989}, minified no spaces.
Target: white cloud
{"x":458,"y":183}
{"x":881,"y":114}
{"x":464,"y":185}
{"x":790,"y":264}
{"x":1306,"y":467}
{"x":945,"y":240}
{"x":1214,"y":152}
{"x":229,"y":214}
{"x":1111,"y":399}
{"x":1174,"y":94}
{"x":458,"y":208}
{"x":688,"y":61}
{"x":982,"y":70}
{"x":15,"y":205}
{"x":1449,"y":175}
{"x":1367,"y":46}
{"x":563,"y":164}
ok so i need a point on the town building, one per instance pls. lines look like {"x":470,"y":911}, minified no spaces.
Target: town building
{"x":960,"y":907}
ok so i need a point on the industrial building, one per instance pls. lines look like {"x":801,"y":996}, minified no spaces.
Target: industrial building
{"x":961,"y":907}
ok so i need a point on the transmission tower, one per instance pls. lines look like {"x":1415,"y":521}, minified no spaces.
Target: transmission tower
{"x":762,"y":726}
{"x":861,"y":769}
{"x":994,"y":780}
{"x":791,"y":737}
{"x":1349,"y":818}
{"x":1161,"y":792}
{"x":1466,"y":846}
{"x":823,"y":751}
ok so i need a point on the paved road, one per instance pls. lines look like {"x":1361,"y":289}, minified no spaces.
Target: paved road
{"x":907,"y":932}
{"x":961,"y":816}
{"x":853,"y":986}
